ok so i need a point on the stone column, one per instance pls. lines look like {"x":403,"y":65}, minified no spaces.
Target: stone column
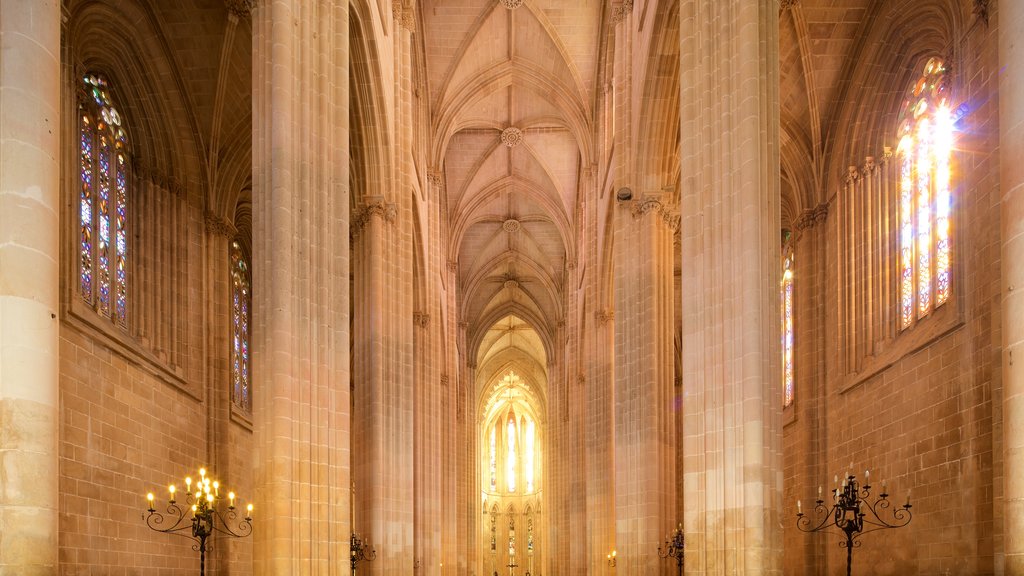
{"x":1011,"y":183}
{"x":29,"y":281}
{"x":732,"y":399}
{"x":300,"y":320}
{"x":644,"y":419}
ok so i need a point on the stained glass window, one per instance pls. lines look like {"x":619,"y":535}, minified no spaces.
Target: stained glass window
{"x":241,"y":297}
{"x":103,"y":202}
{"x":494,"y":459}
{"x":510,"y":459}
{"x":787,"y":329}
{"x":528,"y":456}
{"x":925,"y":153}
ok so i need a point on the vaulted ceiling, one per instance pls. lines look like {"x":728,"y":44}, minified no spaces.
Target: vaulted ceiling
{"x":511,"y":94}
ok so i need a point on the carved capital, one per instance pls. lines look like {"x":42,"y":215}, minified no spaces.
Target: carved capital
{"x":444,"y":380}
{"x":421,"y":319}
{"x":435,"y":179}
{"x":383,"y":210}
{"x":219,"y":226}
{"x":404,"y":16}
{"x":463,"y":324}
{"x":852,"y":174}
{"x":981,"y":10}
{"x":869,"y":166}
{"x":240,"y":8}
{"x":621,"y":10}
{"x":453,"y":266}
{"x":645,"y":206}
{"x":787,"y":4}
{"x":812,"y":217}
{"x":511,"y":4}
{"x":570,"y":264}
{"x":603,"y":316}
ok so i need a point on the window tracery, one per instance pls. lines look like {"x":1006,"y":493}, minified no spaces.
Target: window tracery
{"x":103,"y":155}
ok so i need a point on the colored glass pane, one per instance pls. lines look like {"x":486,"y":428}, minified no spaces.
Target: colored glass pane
{"x":925,"y":201}
{"x":528,"y":456}
{"x":787,"y":331}
{"x":103,"y":220}
{"x":494,"y":459}
{"x":85,"y":208}
{"x":510,"y":458}
{"x":103,"y":203}
{"x":240,"y":300}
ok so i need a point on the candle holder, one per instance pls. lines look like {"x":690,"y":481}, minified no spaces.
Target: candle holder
{"x":853,"y":514}
{"x":674,"y":548}
{"x":611,"y":558}
{"x":359,"y":551}
{"x":205,"y":520}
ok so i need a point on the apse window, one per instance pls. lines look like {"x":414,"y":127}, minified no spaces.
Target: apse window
{"x":103,"y":173}
{"x":925,"y":201}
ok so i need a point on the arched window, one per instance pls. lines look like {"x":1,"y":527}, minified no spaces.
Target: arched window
{"x":103,"y":203}
{"x":528,"y":456}
{"x":787,"y":328}
{"x":925,"y":149}
{"x":494,"y":459}
{"x":510,"y":459}
{"x":241,"y":297}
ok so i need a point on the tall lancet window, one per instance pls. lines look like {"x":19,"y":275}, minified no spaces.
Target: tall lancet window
{"x":494,"y":459}
{"x":925,"y":153}
{"x":510,"y":458}
{"x":787,"y":328}
{"x":103,"y":159}
{"x":241,"y":297}
{"x":528,"y":456}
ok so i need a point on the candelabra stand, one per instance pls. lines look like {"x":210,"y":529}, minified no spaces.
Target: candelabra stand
{"x":360,"y":551}
{"x":674,"y":548}
{"x":853,"y":514}
{"x":205,"y":519}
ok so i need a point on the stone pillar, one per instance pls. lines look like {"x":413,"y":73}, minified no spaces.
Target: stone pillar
{"x":301,"y":287}
{"x":29,"y":281}
{"x":644,"y":385}
{"x":1011,"y":184}
{"x":732,"y":399}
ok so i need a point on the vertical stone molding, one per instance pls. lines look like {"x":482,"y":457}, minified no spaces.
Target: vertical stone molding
{"x":29,"y":207}
{"x":730,"y":281}
{"x":301,"y":286}
{"x":1011,"y":181}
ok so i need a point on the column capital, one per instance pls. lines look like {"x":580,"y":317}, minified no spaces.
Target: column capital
{"x":620,"y":10}
{"x":386,"y":211}
{"x":240,"y":8}
{"x":421,"y":319}
{"x":219,"y":226}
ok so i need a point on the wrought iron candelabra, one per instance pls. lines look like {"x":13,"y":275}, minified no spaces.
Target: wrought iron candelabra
{"x":853,"y":513}
{"x":198,"y":518}
{"x":674,"y":548}
{"x":359,"y":551}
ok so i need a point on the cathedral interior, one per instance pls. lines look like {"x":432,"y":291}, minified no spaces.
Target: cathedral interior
{"x":511,"y":287}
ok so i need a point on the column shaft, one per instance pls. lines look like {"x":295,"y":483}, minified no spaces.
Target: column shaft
{"x":29,"y":281}
{"x":301,"y":287}
{"x":1011,"y":184}
{"x":732,"y":399}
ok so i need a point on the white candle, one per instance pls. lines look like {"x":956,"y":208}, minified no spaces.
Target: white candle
{"x":799,"y":507}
